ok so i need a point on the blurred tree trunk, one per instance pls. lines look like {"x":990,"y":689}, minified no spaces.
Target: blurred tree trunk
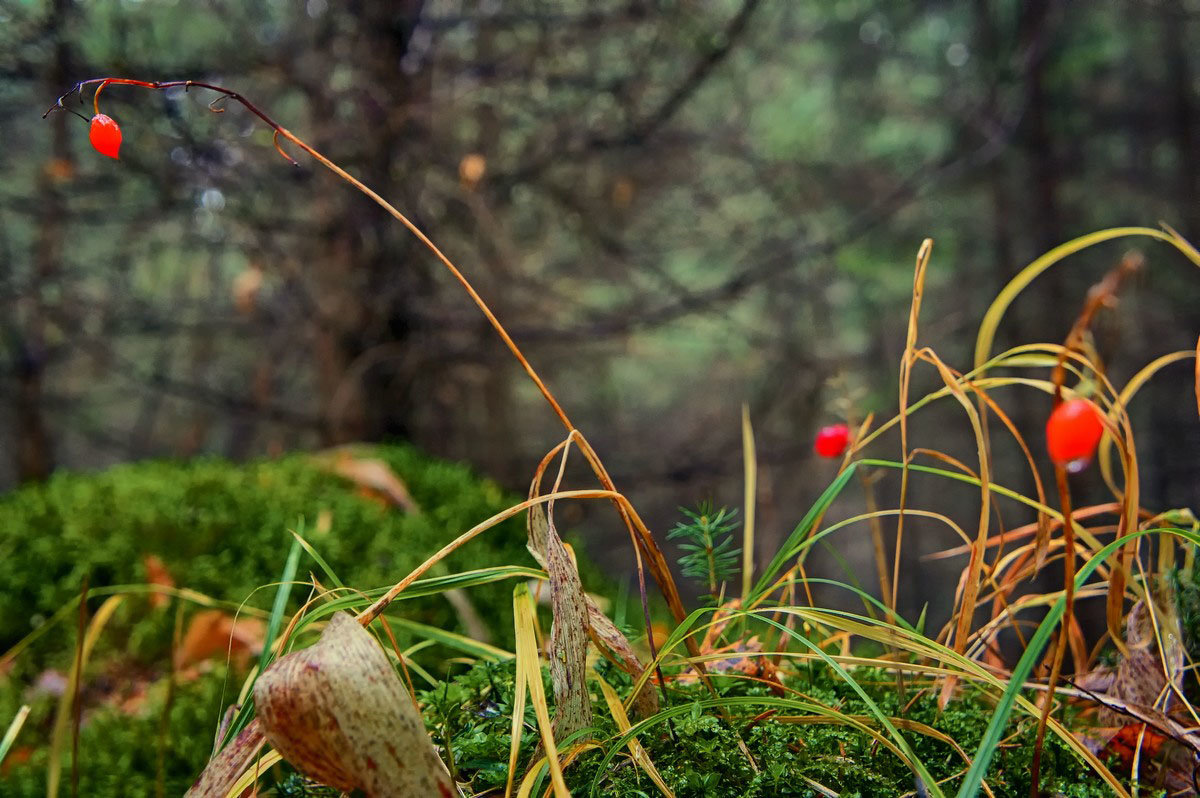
{"x":34,"y":454}
{"x":1179,"y":75}
{"x":367,"y":286}
{"x":1044,"y":177}
{"x":989,"y":56}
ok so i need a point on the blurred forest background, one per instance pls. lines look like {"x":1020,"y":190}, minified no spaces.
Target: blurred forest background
{"x":677,"y":206}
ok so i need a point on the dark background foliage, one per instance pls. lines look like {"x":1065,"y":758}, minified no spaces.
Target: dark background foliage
{"x":684,"y":206}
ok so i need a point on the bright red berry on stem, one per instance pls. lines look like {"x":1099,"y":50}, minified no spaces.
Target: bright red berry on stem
{"x":1072,"y":432}
{"x":105,"y":135}
{"x":832,"y":440}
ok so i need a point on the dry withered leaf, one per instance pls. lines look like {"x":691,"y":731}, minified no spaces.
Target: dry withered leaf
{"x":603,"y":632}
{"x":340,"y":714}
{"x":1141,"y":675}
{"x":224,"y":769}
{"x":568,"y":639}
{"x":157,"y":574}
{"x":615,"y":646}
{"x":214,"y":633}
{"x":374,"y":476}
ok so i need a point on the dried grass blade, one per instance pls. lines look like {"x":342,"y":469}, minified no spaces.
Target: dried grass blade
{"x":62,"y":717}
{"x":252,"y":775}
{"x":750,"y":486}
{"x":528,"y":661}
{"x":518,"y":721}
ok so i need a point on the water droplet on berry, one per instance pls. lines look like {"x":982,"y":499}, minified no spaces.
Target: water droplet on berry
{"x":1078,"y":464}
{"x":1072,"y":433}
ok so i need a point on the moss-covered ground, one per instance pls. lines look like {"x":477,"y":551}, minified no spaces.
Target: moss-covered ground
{"x":222,"y":530}
{"x":699,"y":756}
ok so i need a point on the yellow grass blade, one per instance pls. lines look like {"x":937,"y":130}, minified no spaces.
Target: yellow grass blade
{"x":531,"y":778}
{"x":635,"y":748}
{"x":251,"y":776}
{"x":518,"y":720}
{"x":529,"y":663}
{"x":750,"y":469}
{"x":62,"y":718}
{"x":14,"y":729}
{"x":991,"y":319}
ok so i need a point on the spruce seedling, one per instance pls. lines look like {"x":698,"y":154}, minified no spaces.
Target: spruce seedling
{"x":712,"y":556}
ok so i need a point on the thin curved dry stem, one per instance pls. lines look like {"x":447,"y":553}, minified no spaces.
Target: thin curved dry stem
{"x":905,"y":377}
{"x":642,"y":536}
{"x":370,"y":613}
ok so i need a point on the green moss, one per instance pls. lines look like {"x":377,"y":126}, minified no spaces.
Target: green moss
{"x":119,"y":750}
{"x":699,"y":755}
{"x":222,"y":530}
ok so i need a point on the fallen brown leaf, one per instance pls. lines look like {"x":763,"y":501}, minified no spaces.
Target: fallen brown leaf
{"x":373,"y":476}
{"x":157,"y":574}
{"x":213,"y":633}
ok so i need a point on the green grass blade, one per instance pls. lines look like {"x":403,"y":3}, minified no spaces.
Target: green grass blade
{"x":786,"y":551}
{"x":275,"y":622}
{"x":318,"y":559}
{"x":14,"y":729}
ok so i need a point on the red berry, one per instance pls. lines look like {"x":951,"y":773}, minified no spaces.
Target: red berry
{"x":105,"y":135}
{"x":1072,"y":432}
{"x":832,"y":440}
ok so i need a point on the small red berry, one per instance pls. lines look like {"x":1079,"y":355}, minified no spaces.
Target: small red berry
{"x":832,"y":440}
{"x":1072,"y":432}
{"x":105,"y":135}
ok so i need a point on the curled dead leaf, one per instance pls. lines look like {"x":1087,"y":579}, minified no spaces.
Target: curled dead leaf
{"x":157,"y":574}
{"x":372,"y":475}
{"x":223,"y":770}
{"x":340,"y":714}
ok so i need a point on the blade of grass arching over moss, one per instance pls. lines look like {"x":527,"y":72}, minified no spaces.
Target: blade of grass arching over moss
{"x":70,"y":605}
{"x":453,"y":640}
{"x":423,"y":587}
{"x":893,"y":739}
{"x":911,"y":756}
{"x":318,"y":559}
{"x":14,"y":729}
{"x":1024,"y":667}
{"x":802,"y":529}
{"x":890,"y":635}
{"x":619,"y":741}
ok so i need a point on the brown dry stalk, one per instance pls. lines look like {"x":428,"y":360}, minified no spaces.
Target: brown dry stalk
{"x":637,"y":530}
